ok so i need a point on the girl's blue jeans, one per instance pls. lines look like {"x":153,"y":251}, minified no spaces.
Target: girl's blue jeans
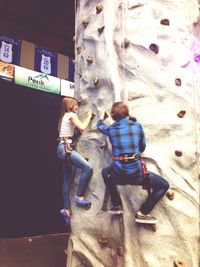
{"x":76,"y":160}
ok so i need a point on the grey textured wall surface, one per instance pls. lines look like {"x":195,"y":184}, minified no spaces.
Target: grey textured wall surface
{"x":141,"y":52}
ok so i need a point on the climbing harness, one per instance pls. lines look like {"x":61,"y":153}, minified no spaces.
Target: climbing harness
{"x":127,"y":157}
{"x":68,"y":144}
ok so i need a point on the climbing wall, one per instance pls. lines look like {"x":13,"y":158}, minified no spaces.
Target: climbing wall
{"x":145,"y":53}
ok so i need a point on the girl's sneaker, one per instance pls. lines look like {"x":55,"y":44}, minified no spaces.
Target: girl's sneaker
{"x":65,"y":216}
{"x":82,"y":202}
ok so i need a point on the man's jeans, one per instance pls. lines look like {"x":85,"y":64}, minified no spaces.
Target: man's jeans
{"x":68,"y":163}
{"x":158,"y":187}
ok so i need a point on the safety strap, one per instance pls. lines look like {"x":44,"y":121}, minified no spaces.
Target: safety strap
{"x":144,"y":168}
{"x":126,"y":157}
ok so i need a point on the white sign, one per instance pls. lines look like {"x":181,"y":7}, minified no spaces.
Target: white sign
{"x":37,"y":80}
{"x":67,"y":88}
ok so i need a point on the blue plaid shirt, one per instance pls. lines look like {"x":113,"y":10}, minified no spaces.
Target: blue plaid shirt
{"x":126,"y":137}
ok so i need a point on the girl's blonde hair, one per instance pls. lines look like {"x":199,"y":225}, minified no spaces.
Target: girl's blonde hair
{"x":67,"y":105}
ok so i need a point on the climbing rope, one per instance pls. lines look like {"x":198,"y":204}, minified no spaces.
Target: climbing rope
{"x":194,"y":87}
{"x":123,"y":60}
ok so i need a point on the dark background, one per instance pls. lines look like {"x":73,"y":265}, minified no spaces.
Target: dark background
{"x":30,"y":174}
{"x":50,"y":24}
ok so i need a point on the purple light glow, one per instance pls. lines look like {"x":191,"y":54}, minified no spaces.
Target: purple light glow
{"x":197,"y":58}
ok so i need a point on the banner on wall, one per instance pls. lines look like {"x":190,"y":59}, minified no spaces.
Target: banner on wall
{"x":36,"y":80}
{"x":46,"y":61}
{"x":71,"y":70}
{"x":10,"y":48}
{"x":6,"y":71}
{"x":67,"y":88}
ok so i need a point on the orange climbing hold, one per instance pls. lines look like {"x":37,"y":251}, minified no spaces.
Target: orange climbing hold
{"x":164,"y":22}
{"x":178,"y":153}
{"x":89,"y":59}
{"x":101,"y":29}
{"x":99,"y":8}
{"x":181,"y":113}
{"x":103,"y":240}
{"x":170,"y":194}
{"x":179,"y":264}
{"x":85,"y":22}
{"x":178,"y":82}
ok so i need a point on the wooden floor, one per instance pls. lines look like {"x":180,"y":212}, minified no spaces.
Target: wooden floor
{"x":41,"y":251}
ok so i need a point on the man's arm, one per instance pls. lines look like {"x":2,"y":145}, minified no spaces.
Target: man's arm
{"x":100,"y":124}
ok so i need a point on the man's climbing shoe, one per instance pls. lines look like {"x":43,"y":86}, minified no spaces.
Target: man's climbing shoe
{"x":145,"y":218}
{"x":82,"y":202}
{"x":116,"y":210}
{"x":65,"y":216}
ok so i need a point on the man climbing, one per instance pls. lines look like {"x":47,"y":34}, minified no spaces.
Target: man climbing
{"x":127,"y":167}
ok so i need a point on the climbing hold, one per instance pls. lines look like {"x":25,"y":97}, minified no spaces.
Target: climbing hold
{"x":197,"y":58}
{"x":135,"y":6}
{"x":101,"y":29}
{"x":85,"y":22}
{"x":99,"y":8}
{"x":89,"y":59}
{"x":73,"y":61}
{"x":103,"y":240}
{"x":164,"y":22}
{"x":96,"y":81}
{"x":181,"y":113}
{"x":78,"y":50}
{"x":106,"y":115}
{"x":179,"y":264}
{"x":103,"y":144}
{"x":178,"y":82}
{"x":120,"y":251}
{"x":126,"y":43}
{"x":178,"y":153}
{"x":151,"y":227}
{"x":170,"y":194}
{"x":93,"y":115}
{"x":154,"y":48}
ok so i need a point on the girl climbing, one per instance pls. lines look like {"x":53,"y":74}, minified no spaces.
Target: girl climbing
{"x":70,"y":158}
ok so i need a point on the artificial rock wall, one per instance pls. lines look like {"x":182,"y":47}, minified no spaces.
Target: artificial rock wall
{"x":146,"y":54}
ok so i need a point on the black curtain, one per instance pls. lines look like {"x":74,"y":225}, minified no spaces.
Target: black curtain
{"x":30,"y":174}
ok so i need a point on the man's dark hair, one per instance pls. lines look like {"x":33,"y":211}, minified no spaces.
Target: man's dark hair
{"x":119,"y":111}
